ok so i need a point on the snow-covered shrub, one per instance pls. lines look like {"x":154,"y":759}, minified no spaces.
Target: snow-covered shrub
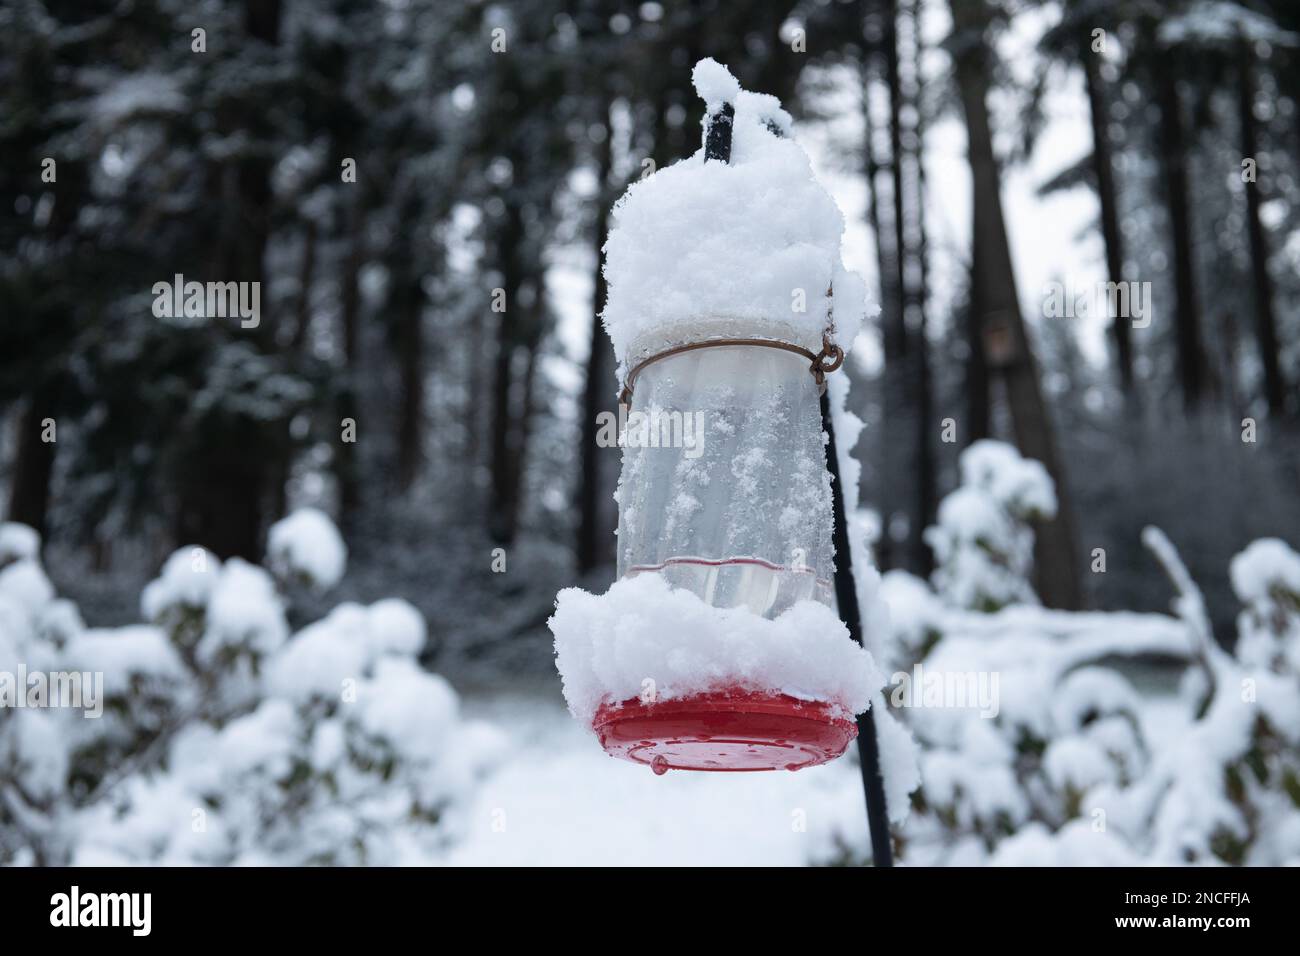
{"x":223,"y":739}
{"x":147,"y":688}
{"x":18,"y":543}
{"x":307,"y":548}
{"x":225,"y":619}
{"x":1266,"y":579}
{"x":1228,"y":789}
{"x":915,"y":618}
{"x":983,"y":541}
{"x":33,"y":755}
{"x":1057,"y":734}
{"x":177,"y":600}
{"x":1065,"y":772}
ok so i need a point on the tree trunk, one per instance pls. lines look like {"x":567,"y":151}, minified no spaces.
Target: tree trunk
{"x":507,"y":409}
{"x":595,"y":544}
{"x":410,"y":412}
{"x":1191,"y":357}
{"x":975,"y":380}
{"x":306,"y":278}
{"x":346,"y":463}
{"x":1104,"y":172}
{"x":997,"y":306}
{"x":228,"y":474}
{"x":887,"y":222}
{"x":29,"y":494}
{"x":1265,"y":322}
{"x":927,"y":495}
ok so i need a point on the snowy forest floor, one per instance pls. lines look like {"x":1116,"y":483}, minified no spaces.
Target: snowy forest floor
{"x":557,"y":799}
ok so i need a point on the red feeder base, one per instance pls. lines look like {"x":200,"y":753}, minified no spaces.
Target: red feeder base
{"x":724,"y":731}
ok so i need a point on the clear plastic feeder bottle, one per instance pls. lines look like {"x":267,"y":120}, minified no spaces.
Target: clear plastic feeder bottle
{"x":724,"y":489}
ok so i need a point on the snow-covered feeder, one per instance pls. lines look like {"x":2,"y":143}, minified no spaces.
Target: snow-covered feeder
{"x":718,"y":648}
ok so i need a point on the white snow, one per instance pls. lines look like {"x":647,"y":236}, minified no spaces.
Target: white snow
{"x":18,"y":542}
{"x":317,"y":662}
{"x":899,"y":763}
{"x":25,"y":585}
{"x":394,"y":626}
{"x":1089,"y":693}
{"x":607,"y":647}
{"x":1075,"y":844}
{"x":559,"y":800}
{"x":1217,"y":22}
{"x":715,"y":84}
{"x":1020,"y":485}
{"x":1265,"y":565}
{"x":982,"y":539}
{"x":124,"y":654}
{"x":406,"y":708}
{"x":185,"y":581}
{"x":748,"y":248}
{"x":136,"y":93}
{"x":244,"y":611}
{"x":306,"y":545}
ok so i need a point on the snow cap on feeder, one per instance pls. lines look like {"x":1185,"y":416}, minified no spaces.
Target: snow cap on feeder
{"x":717,"y":648}
{"x":739,"y":239}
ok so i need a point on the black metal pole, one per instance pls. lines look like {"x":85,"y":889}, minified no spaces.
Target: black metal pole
{"x":717,"y":137}
{"x":846,"y":597}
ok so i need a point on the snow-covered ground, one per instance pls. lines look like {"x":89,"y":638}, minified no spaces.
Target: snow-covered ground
{"x":557,"y":799}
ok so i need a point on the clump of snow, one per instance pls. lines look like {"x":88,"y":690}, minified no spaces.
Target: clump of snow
{"x":1265,"y":567}
{"x":915,"y":616}
{"x":405,"y":708}
{"x":1020,"y":486}
{"x":1216,"y":23}
{"x":1266,"y":578}
{"x":244,"y":613}
{"x":185,"y":582}
{"x":305,"y":545}
{"x":125,"y":655}
{"x":328,"y":657}
{"x":899,"y":763}
{"x":321,"y":659}
{"x":135,"y":94}
{"x":641,"y":630}
{"x":395,"y":627}
{"x":18,"y":542}
{"x":1078,"y":843}
{"x":982,"y":540}
{"x":24,"y":584}
{"x":748,"y":248}
{"x":1090,"y":693}
{"x":33,"y":752}
{"x":715,"y":84}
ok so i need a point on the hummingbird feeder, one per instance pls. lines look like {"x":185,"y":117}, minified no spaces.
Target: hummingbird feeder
{"x":718,"y":648}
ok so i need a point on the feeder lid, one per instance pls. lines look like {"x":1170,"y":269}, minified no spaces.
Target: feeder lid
{"x":725,"y":731}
